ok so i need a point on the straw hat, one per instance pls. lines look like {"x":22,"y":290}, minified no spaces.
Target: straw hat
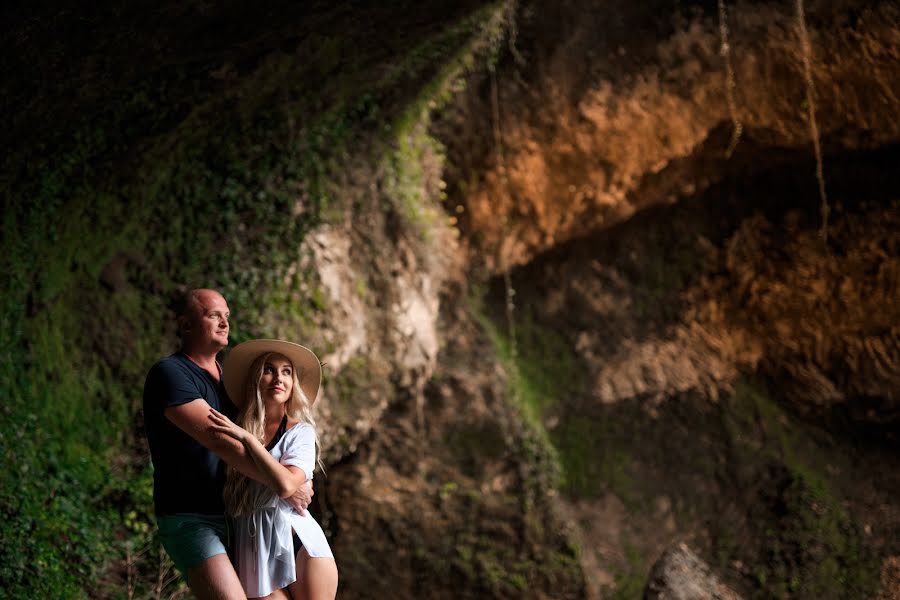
{"x":240,"y":359}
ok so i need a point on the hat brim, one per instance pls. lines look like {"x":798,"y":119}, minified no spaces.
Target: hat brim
{"x":238,"y":362}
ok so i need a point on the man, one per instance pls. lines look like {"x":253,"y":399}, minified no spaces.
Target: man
{"x":187,"y":454}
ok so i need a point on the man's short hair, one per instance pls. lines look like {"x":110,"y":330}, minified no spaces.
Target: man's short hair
{"x":182,"y":302}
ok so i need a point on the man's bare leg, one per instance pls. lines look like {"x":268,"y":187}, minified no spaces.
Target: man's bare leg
{"x":215,"y":579}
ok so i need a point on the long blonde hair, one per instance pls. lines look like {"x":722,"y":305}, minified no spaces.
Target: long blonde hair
{"x":239,"y":493}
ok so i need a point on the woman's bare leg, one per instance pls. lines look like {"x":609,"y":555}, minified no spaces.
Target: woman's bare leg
{"x":317,"y":578}
{"x":277,"y":595}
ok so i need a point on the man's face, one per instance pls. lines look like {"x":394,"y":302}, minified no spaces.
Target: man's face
{"x":208,"y":319}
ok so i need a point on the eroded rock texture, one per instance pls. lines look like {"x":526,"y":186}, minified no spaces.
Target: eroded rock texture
{"x":618,"y":106}
{"x":703,"y":320}
{"x":684,"y":356}
{"x":679,"y":574}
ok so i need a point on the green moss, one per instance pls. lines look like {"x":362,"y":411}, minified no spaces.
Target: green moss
{"x":362,"y":289}
{"x":546,"y":375}
{"x":405,"y":181}
{"x":631,"y":579}
{"x":215,"y":191}
{"x":413,"y":150}
{"x":498,"y":565}
{"x":455,"y":51}
{"x":497,"y":559}
{"x":596,"y":460}
{"x":83,"y":349}
{"x":815,"y":548}
{"x":475,"y":446}
{"x":545,"y":369}
{"x":362,"y":379}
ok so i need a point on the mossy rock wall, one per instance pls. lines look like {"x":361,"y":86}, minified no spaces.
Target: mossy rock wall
{"x":137,"y":173}
{"x":674,"y":368}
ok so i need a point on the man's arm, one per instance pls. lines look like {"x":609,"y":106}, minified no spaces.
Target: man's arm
{"x":193,"y":419}
{"x":283,"y":479}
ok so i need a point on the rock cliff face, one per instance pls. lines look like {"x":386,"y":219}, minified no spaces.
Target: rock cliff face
{"x":703,"y":360}
{"x":685,"y":271}
{"x":618,"y":107}
{"x":567,"y":316}
{"x":679,"y":574}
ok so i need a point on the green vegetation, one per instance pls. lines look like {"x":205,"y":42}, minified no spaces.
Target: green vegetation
{"x":531,"y":387}
{"x":813,"y":548}
{"x":596,"y":458}
{"x":489,"y":555}
{"x":630,"y":580}
{"x":542,"y":372}
{"x":757,"y":478}
{"x":92,"y":335}
{"x":589,"y":454}
{"x":476,"y":445}
{"x":799,"y":536}
{"x":92,"y":246}
{"x":545,"y":370}
{"x":407,"y":184}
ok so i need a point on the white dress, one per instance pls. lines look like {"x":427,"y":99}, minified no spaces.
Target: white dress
{"x":263,"y":538}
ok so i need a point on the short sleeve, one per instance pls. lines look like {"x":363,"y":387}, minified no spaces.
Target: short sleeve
{"x":169,"y":385}
{"x":300,"y":448}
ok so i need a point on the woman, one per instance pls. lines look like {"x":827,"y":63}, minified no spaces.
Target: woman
{"x":274,"y":384}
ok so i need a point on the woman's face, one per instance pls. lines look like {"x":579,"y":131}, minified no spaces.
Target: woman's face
{"x":277,"y":379}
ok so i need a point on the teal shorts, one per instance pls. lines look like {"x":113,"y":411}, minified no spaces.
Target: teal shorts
{"x":191,"y":538}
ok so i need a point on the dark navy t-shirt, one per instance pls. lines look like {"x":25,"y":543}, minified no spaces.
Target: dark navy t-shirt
{"x":186,"y":476}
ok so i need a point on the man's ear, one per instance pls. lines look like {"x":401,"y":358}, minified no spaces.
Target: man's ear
{"x":184,"y":324}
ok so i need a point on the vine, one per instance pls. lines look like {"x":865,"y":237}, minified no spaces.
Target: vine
{"x":509,"y":15}
{"x":507,"y":280}
{"x":725,"y":52}
{"x":811,"y":113}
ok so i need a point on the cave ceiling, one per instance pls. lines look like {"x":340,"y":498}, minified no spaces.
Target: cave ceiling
{"x":601,"y":109}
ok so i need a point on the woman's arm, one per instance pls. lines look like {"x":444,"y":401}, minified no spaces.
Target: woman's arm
{"x":193,"y":419}
{"x":283,"y":480}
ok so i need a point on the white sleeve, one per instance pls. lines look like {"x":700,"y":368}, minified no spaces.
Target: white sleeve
{"x":300,"y":448}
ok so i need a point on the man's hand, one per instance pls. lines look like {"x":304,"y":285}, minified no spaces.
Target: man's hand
{"x":302,"y":497}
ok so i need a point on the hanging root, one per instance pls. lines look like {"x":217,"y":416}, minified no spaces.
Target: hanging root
{"x":510,"y":315}
{"x":507,"y":280}
{"x":512,"y":30}
{"x":811,"y":113}
{"x":725,"y":52}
